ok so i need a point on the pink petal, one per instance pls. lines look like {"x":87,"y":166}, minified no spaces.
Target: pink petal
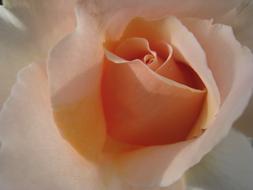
{"x":74,"y":70}
{"x":33,"y":155}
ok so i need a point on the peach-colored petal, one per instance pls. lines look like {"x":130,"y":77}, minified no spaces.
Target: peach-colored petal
{"x":165,"y":164}
{"x":134,"y":48}
{"x":165,"y":51}
{"x":141,"y":108}
{"x":187,"y":50}
{"x":180,"y":72}
{"x":139,"y":48}
{"x":33,"y":155}
{"x":74,"y":70}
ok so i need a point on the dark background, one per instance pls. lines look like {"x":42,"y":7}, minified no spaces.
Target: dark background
{"x":0,"y":2}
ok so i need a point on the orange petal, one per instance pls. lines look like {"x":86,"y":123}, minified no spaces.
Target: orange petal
{"x":134,"y":48}
{"x":181,"y":73}
{"x":144,"y":108}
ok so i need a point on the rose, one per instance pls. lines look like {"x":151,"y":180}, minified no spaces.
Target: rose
{"x":170,"y":99}
{"x":147,"y":167}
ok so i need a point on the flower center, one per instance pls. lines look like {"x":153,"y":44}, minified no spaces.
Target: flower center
{"x":149,"y":59}
{"x":149,"y":98}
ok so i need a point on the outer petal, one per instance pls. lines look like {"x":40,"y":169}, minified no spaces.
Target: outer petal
{"x":240,"y":18}
{"x":47,"y":22}
{"x":33,"y":155}
{"x":116,"y":13}
{"x":74,"y":70}
{"x":29,"y":28}
{"x":165,"y":164}
{"x":244,"y":123}
{"x":11,"y":57}
{"x":228,"y":167}
{"x":218,"y":62}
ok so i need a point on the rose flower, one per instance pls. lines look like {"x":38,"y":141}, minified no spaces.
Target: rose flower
{"x":125,"y":95}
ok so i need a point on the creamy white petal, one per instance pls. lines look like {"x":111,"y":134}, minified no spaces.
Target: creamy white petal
{"x":33,"y":155}
{"x":113,"y":181}
{"x":243,"y":24}
{"x":28,"y":29}
{"x":240,"y":18}
{"x":12,"y":57}
{"x":219,"y":62}
{"x":244,"y":123}
{"x":116,"y":13}
{"x":47,"y":22}
{"x":227,"y":167}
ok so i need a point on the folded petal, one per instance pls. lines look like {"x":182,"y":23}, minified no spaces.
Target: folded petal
{"x":142,"y":108}
{"x":230,"y":59}
{"x":228,"y":166}
{"x":165,"y":164}
{"x":33,"y":155}
{"x":190,"y":51}
{"x":28,"y":30}
{"x":74,"y":70}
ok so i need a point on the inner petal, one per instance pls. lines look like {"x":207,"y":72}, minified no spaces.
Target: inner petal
{"x":148,"y":97}
{"x":149,"y":59}
{"x":161,"y":62}
{"x":134,"y":48}
{"x":143,"y":109}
